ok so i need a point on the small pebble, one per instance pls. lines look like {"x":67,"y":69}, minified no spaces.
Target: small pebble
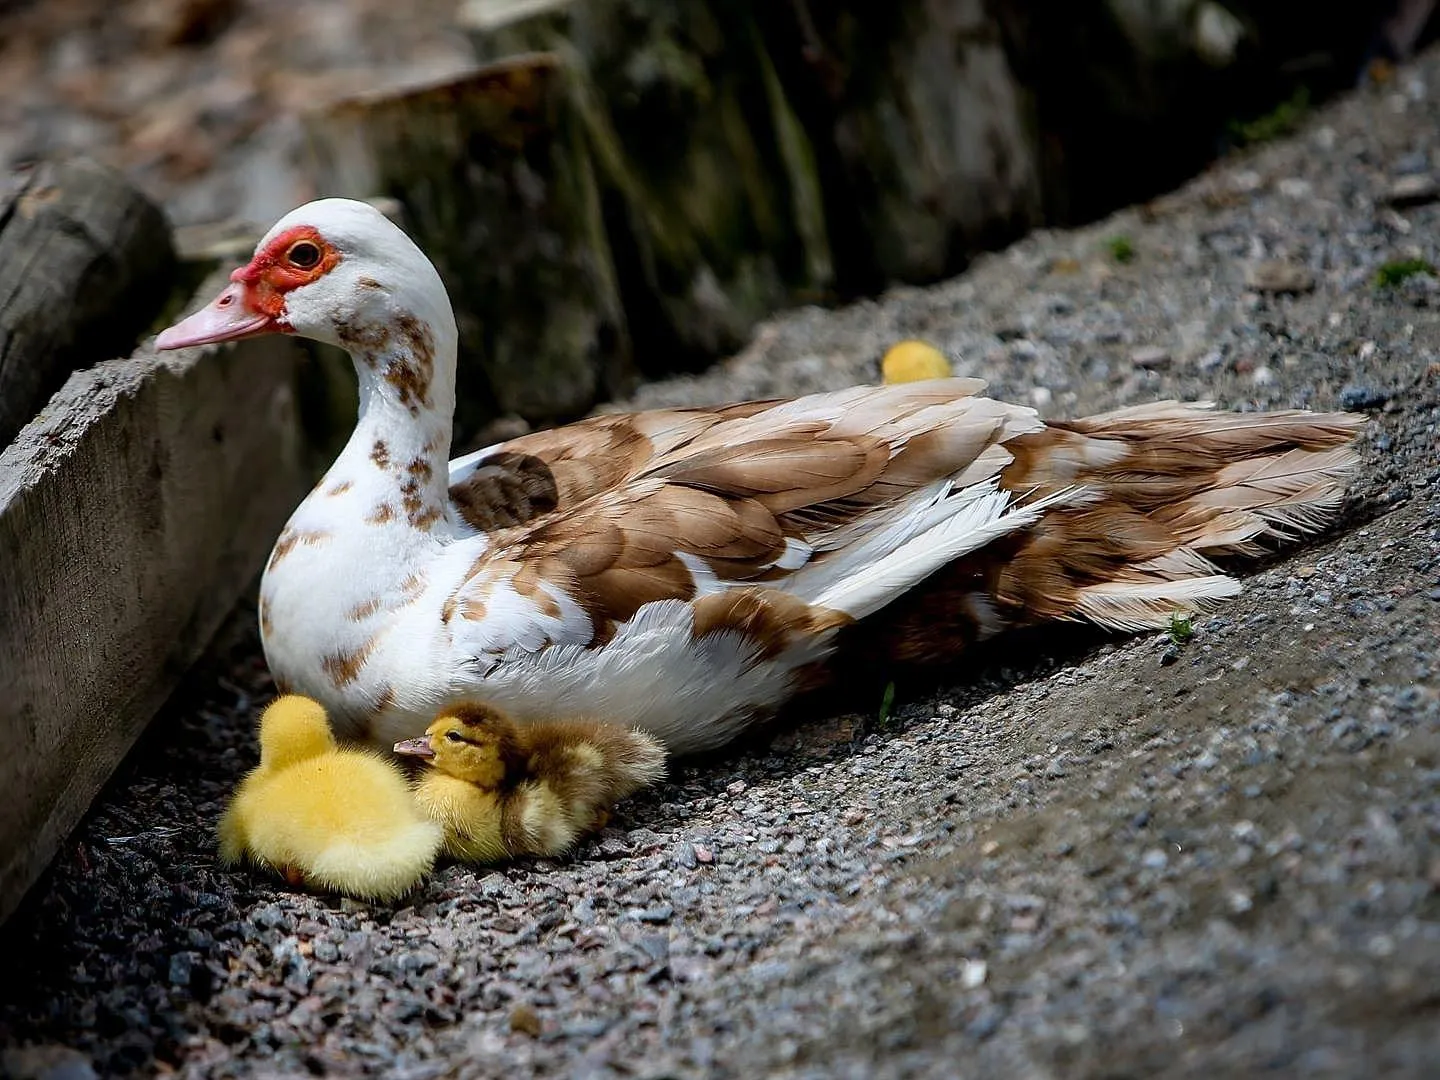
{"x":972,"y":974}
{"x":1278,"y":276}
{"x":1415,"y":189}
{"x":1152,"y":358}
{"x":1358,"y":397}
{"x":526,"y":1021}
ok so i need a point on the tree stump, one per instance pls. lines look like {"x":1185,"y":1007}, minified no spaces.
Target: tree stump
{"x":499,"y":192}
{"x":712,"y":199}
{"x":86,"y":264}
{"x":925,"y":144}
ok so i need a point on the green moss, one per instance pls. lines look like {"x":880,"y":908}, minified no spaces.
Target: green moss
{"x":1394,"y":272}
{"x":1279,"y":121}
{"x":1121,"y":249}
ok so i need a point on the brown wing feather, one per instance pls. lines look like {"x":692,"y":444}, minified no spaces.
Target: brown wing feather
{"x":726,"y":488}
{"x":556,"y":470}
{"x":638,"y":500}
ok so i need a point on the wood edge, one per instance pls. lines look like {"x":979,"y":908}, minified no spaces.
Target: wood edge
{"x":86,"y":397}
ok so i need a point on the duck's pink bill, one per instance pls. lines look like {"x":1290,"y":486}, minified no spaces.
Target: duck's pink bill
{"x":415,"y":747}
{"x":226,"y":318}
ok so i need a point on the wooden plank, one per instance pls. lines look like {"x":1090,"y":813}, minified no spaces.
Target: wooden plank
{"x":133,"y":512}
{"x":86,"y":263}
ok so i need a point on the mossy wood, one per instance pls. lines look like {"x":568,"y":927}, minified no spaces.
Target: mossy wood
{"x":712,"y":197}
{"x":499,"y":192}
{"x":133,"y":513}
{"x":925,"y":144}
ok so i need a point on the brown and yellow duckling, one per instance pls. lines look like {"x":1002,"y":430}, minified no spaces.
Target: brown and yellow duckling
{"x":503,"y":789}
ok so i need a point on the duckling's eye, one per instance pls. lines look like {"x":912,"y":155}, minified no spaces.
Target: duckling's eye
{"x":303,"y":255}
{"x":454,"y":736}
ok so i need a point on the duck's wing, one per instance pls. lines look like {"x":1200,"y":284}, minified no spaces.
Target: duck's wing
{"x":838,"y":501}
{"x":525,"y":479}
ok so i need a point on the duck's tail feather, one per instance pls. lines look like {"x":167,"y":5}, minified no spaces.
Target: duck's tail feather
{"x":1168,"y":489}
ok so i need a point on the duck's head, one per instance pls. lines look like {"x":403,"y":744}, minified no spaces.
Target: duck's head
{"x":292,"y":729}
{"x":471,"y":742}
{"x":334,"y":270}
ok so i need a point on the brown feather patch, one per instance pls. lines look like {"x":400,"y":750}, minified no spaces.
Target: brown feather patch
{"x":363,"y":610}
{"x":412,"y":370}
{"x":343,"y":668}
{"x":772,"y":620}
{"x":289,"y":538}
{"x":412,"y":586}
{"x":509,"y":489}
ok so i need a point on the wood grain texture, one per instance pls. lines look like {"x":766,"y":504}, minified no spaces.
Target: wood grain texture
{"x":86,"y":263}
{"x":132,"y":515}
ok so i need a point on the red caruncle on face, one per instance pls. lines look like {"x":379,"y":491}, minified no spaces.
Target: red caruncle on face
{"x":296,"y":257}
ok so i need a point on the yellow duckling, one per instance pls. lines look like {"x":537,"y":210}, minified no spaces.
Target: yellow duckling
{"x":911,"y":361}
{"x":342,"y":820}
{"x":503,"y":789}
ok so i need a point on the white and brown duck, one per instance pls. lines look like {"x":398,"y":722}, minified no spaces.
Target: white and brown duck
{"x":687,"y":570}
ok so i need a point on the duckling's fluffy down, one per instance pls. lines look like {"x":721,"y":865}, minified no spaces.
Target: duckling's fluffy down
{"x":343,"y":821}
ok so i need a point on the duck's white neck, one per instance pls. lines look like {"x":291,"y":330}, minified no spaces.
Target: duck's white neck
{"x":401,"y":444}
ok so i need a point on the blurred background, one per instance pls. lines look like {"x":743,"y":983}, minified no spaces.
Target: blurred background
{"x":619,"y":189}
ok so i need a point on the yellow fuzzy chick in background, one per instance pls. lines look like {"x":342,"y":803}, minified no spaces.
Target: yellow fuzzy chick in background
{"x":341,"y":820}
{"x":912,"y":361}
{"x":502,"y":790}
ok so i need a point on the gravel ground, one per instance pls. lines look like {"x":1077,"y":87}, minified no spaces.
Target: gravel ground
{"x":1085,"y":856}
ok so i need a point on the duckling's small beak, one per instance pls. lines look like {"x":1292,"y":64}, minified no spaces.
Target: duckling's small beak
{"x":415,"y":747}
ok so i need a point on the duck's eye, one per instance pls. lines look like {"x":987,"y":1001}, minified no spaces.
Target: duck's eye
{"x":454,"y":736}
{"x":303,"y":255}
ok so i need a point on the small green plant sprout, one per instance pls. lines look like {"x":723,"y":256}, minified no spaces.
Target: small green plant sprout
{"x":1181,"y":629}
{"x":1394,"y":272}
{"x":887,"y":702}
{"x":1121,"y":249}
